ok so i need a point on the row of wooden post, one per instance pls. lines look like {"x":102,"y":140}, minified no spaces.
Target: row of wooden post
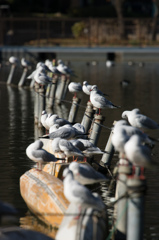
{"x":130,"y":191}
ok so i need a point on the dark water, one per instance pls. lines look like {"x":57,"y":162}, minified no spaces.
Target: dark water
{"x":18,"y":131}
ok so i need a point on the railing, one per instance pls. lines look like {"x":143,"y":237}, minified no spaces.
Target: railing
{"x":58,"y":31}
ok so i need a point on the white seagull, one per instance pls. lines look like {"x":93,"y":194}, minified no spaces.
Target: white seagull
{"x":137,"y":153}
{"x":87,"y":89}
{"x":13,"y":60}
{"x":85,"y":174}
{"x":75,"y":87}
{"x":44,"y":116}
{"x":122,"y":133}
{"x":100,"y":101}
{"x":79,"y":194}
{"x":37,"y":154}
{"x":139,"y":120}
{"x":69,"y":149}
{"x":62,"y":68}
{"x":42,"y":79}
{"x":25,"y":63}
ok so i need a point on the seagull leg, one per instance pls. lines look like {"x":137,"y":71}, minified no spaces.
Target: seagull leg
{"x":78,"y":216}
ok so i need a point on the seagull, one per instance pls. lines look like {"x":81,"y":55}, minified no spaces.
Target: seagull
{"x":41,"y":64}
{"x":42,"y":79}
{"x":65,"y":132}
{"x":124,"y":83}
{"x":139,"y":120}
{"x":62,"y":68}
{"x":79,"y":127}
{"x":55,"y":145}
{"x":44,"y":116}
{"x":55,"y":119}
{"x":122,"y":133}
{"x":100,"y":101}
{"x":37,"y":154}
{"x":69,"y":149}
{"x":13,"y":60}
{"x":137,"y":153}
{"x":109,"y":63}
{"x":85,"y":174}
{"x":87,"y":89}
{"x":25,"y":63}
{"x":79,"y":194}
{"x":52,"y":68}
{"x":74,"y":87}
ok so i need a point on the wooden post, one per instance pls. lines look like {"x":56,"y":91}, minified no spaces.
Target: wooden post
{"x":107,"y":157}
{"x":10,"y":77}
{"x":74,"y":109}
{"x":136,"y":190}
{"x":41,"y":103}
{"x":61,"y":88}
{"x":88,"y":117}
{"x":23,"y":77}
{"x":96,"y":128}
{"x":120,"y":210}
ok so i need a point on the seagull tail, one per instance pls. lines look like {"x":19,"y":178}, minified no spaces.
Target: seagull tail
{"x":45,"y":136}
{"x":114,"y":106}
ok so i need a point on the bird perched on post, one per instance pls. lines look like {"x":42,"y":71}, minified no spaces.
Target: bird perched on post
{"x":137,"y":153}
{"x":85,"y":174}
{"x":13,"y":60}
{"x":136,"y":119}
{"x":100,"y":101}
{"x":39,"y":155}
{"x":79,"y":194}
{"x":75,"y":87}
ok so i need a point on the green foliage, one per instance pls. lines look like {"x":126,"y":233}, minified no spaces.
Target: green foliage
{"x":77,"y":29}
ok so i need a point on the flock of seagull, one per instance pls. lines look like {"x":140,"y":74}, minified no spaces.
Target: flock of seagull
{"x":128,"y":139}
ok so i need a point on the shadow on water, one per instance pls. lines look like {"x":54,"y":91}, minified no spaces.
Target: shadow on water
{"x":18,"y":131}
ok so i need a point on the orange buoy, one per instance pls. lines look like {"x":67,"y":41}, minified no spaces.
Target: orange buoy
{"x":43,"y":194}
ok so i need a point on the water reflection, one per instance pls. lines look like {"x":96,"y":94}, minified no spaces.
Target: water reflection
{"x":18,"y":130}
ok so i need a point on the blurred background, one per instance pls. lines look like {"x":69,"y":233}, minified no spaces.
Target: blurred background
{"x":79,"y":22}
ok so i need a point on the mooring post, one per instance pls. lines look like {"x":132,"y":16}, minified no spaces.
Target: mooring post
{"x":61,"y":89}
{"x":136,"y":190}
{"x":109,"y":148}
{"x":10,"y":77}
{"x":41,"y":103}
{"x":88,"y":116}
{"x":66,"y":86}
{"x":74,"y":109}
{"x":23,"y":77}
{"x":52,"y":91}
{"x":120,"y":209}
{"x":36,"y":102}
{"x":96,"y":128}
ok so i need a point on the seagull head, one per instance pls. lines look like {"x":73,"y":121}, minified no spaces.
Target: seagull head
{"x":93,"y":88}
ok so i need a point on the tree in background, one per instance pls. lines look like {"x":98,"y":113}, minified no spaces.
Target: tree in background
{"x":118,"y":4}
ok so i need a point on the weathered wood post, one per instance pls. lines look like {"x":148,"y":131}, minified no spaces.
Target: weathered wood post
{"x":52,"y":91}
{"x":10,"y":77}
{"x":61,"y":89}
{"x":120,"y":209}
{"x":109,"y":148}
{"x":88,"y":116}
{"x":36,"y":102}
{"x":74,"y":109}
{"x":41,"y":103}
{"x":23,"y":77}
{"x":68,"y":79}
{"x":136,"y":189}
{"x":96,"y":128}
